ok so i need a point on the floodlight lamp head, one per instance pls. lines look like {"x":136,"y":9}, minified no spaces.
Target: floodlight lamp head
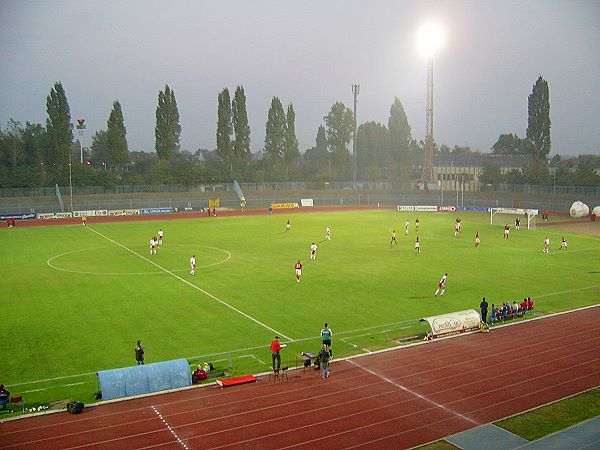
{"x":430,"y":39}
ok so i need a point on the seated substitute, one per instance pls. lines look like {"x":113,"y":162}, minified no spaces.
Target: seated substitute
{"x":4,"y":396}
{"x":199,"y":375}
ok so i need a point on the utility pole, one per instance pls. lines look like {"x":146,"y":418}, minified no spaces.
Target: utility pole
{"x":355,"y":91}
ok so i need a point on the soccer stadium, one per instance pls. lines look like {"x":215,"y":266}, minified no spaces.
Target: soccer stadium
{"x":380,"y":289}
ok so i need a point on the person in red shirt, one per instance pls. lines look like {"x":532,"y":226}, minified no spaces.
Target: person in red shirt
{"x":506,"y":231}
{"x":199,"y":375}
{"x":298,"y":268}
{"x":275,"y":349}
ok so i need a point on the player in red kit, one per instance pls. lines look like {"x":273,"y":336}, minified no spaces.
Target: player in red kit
{"x":298,"y":268}
{"x":506,"y":231}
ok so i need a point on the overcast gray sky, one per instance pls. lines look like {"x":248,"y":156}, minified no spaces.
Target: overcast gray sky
{"x":308,"y":53}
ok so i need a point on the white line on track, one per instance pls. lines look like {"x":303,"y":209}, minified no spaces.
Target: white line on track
{"x":169,"y":428}
{"x":247,"y":316}
{"x":413,"y":393}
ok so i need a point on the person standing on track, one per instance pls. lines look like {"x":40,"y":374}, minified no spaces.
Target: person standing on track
{"x":275,"y":356}
{"x":484,"y":309}
{"x":326,"y":334}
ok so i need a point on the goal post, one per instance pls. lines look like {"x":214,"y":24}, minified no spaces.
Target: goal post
{"x":529,"y":213}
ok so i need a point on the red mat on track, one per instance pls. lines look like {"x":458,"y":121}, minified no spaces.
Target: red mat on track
{"x":396,"y":399}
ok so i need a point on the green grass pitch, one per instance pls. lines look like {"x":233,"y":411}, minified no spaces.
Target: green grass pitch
{"x":75,"y":300}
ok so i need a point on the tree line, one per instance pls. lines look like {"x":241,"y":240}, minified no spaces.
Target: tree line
{"x":33,"y":155}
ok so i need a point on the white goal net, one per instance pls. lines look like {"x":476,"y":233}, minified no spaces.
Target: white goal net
{"x":528,"y":215}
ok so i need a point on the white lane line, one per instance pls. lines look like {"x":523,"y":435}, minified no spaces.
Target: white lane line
{"x":413,"y":393}
{"x":273,"y":330}
{"x":169,"y":428}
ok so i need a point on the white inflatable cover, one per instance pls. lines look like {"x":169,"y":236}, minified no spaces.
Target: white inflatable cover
{"x":579,"y":209}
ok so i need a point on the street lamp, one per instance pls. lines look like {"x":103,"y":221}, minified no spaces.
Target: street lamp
{"x":430,"y":41}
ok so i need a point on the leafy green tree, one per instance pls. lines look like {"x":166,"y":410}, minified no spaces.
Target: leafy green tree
{"x":241,"y":143}
{"x":11,"y":145}
{"x":34,"y":139}
{"x":372,"y":140}
{"x":224,"y":131}
{"x":490,"y":174}
{"x":339,"y":127}
{"x":402,"y":152}
{"x":100,"y":154}
{"x":321,"y":139}
{"x":59,"y":129}
{"x":511,"y":144}
{"x":275,"y":131}
{"x":167,"y":130}
{"x":538,"y":172}
{"x":116,"y":139}
{"x":538,"y":122}
{"x":291,"y":152}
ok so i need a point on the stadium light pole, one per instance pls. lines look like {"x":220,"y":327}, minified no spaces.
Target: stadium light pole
{"x":430,"y":39}
{"x":355,"y":91}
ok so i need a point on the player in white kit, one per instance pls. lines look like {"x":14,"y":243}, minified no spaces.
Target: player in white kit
{"x":193,"y":265}
{"x":313,"y":252}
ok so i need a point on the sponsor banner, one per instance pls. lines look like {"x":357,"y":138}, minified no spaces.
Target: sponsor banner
{"x":284,"y":205}
{"x":447,"y":208}
{"x":84,"y":213}
{"x":46,"y":216}
{"x":63,"y":215}
{"x":156,"y":210}
{"x":419,"y":208}
{"x":306,"y":202}
{"x":188,"y":208}
{"x":123,"y":212}
{"x":426,"y":208}
{"x":453,"y":323}
{"x":475,"y":209}
{"x":17,"y":216}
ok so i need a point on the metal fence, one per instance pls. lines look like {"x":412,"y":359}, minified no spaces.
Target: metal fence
{"x":260,"y":195}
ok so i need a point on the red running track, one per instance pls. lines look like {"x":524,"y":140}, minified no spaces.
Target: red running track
{"x":396,"y":399}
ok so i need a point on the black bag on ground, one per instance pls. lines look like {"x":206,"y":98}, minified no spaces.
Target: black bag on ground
{"x":74,"y":407}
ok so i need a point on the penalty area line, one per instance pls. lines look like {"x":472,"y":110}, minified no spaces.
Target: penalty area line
{"x":247,"y":316}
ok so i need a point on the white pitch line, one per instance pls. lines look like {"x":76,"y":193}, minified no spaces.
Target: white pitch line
{"x":273,"y":330}
{"x":445,"y":408}
{"x":354,"y":345}
{"x":75,"y":384}
{"x":166,"y":424}
{"x":33,"y":390}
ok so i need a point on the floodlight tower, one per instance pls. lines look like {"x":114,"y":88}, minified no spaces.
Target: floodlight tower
{"x":431,"y":38}
{"x":355,"y":91}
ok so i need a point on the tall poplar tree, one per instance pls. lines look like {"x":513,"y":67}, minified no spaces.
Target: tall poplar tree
{"x":400,"y":147}
{"x":224,"y":131}
{"x":321,"y":139}
{"x":168,"y":129}
{"x":339,"y":125}
{"x":116,"y":137}
{"x":59,"y":129}
{"x":538,"y":120}
{"x":292,"y":152}
{"x":241,"y":143}
{"x":275,"y":131}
